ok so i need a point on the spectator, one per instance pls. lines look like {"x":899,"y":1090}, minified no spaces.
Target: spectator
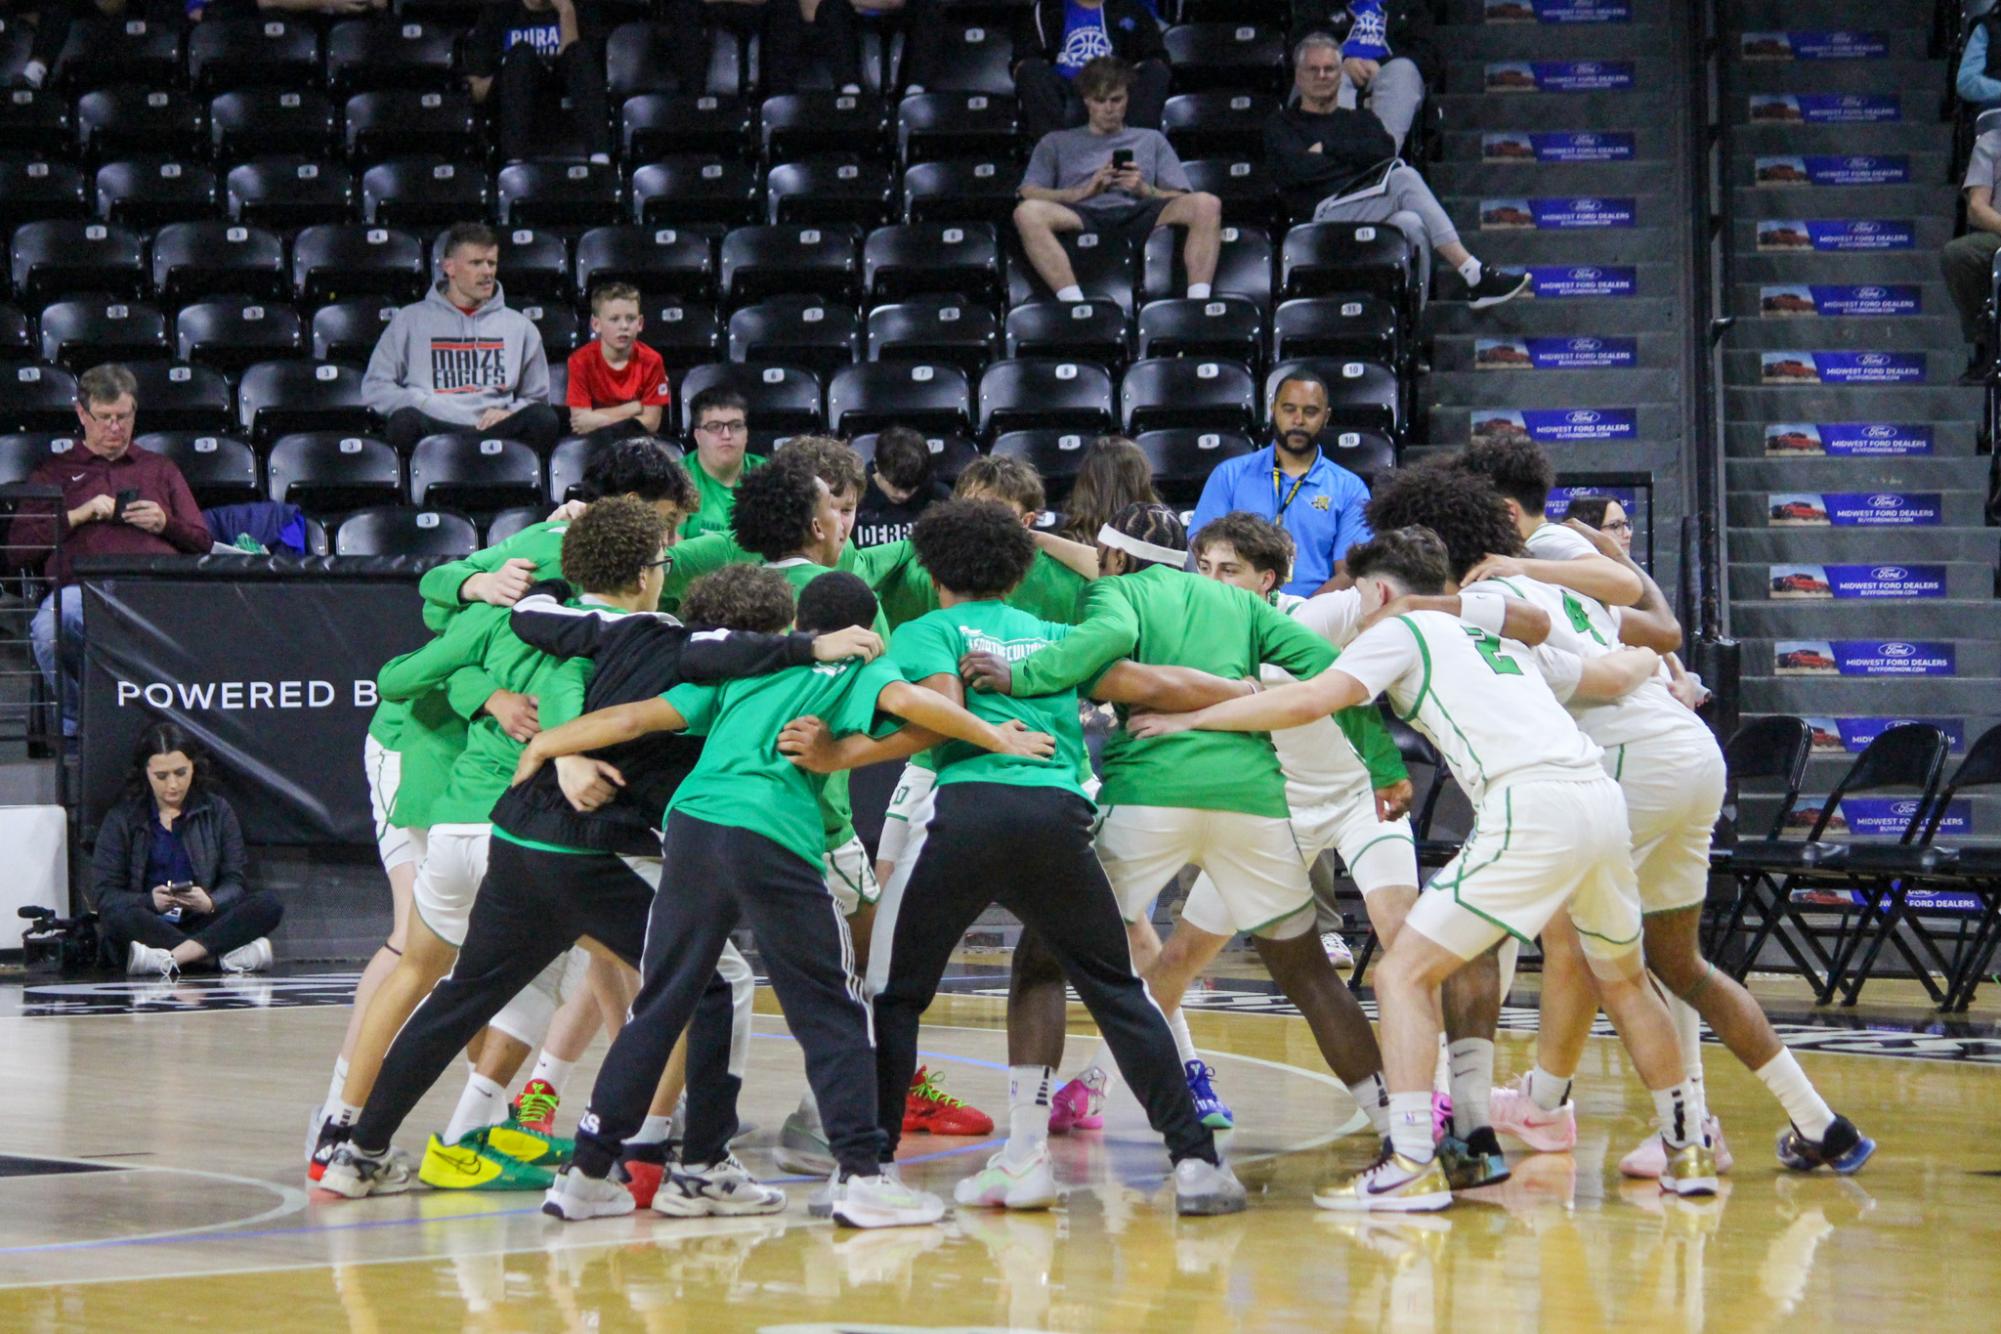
{"x":839,"y":25}
{"x":1114,"y":474}
{"x":1968,"y":261}
{"x":1292,"y":484}
{"x":1336,"y":164}
{"x":1389,"y":57}
{"x":1607,"y":515}
{"x":781,"y":29}
{"x":1978,"y":81}
{"x":118,"y":500}
{"x":531,"y":47}
{"x":1112,"y":179}
{"x":167,"y":872}
{"x":901,"y":485}
{"x":1065,"y":37}
{"x":461,"y":360}
{"x":618,"y":385}
{"x":722,"y":457}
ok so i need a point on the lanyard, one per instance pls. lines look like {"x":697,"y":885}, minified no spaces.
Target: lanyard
{"x":1277,"y":477}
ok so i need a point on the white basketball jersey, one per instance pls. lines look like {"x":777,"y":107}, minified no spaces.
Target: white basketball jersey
{"x":1321,"y":768}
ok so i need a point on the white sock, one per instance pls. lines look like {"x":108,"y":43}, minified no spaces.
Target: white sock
{"x":335,"y":1088}
{"x":1472,"y":1084}
{"x":1071,"y":293}
{"x":653,"y":1130}
{"x":554,"y":1070}
{"x":1184,"y":1042}
{"x":1410,"y":1126}
{"x":1027,"y":1111}
{"x":1688,"y":1032}
{"x":1198,"y":291}
{"x":1546,"y":1090}
{"x":1796,"y":1093}
{"x":484,"y":1103}
{"x":1674,"y":1108}
{"x":344,"y":1113}
{"x":1470,"y":270}
{"x":1373,"y":1097}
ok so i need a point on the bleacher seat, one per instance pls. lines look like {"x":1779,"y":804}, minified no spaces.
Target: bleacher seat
{"x":334,"y":261}
{"x":1057,"y":453}
{"x":920,"y":259}
{"x":1098,"y":331}
{"x":562,"y":331}
{"x":1183,"y":457}
{"x":424,"y":192}
{"x":1227,"y":121}
{"x":230,"y":334}
{"x":329,"y":471}
{"x":829,"y":191}
{"x":659,"y":261}
{"x":956,"y":125}
{"x":512,"y":520}
{"x":348,"y":330}
{"x":550,"y":194}
{"x":383,"y":53}
{"x":79,"y":334}
{"x":40,"y":191}
{"x":978,"y":57}
{"x":534,"y":262}
{"x":1364,"y":453}
{"x":803,"y":331}
{"x":1324,"y":258}
{"x":1361,"y":395}
{"x":766,"y":261}
{"x":1034,"y":393}
{"x":962,"y":190}
{"x":936,"y":328}
{"x":102,"y":51}
{"x":177,"y":397}
{"x":400,"y":530}
{"x":658,"y":125}
{"x":126,"y":119}
{"x":48,"y":259}
{"x":37,"y":398}
{"x":248,"y":122}
{"x":220,"y":469}
{"x":797,"y":125}
{"x":1245,"y":188}
{"x":1229,"y":327}
{"x":191,"y":260}
{"x":1163,"y":392}
{"x":783,"y":401}
{"x":929,"y":397}
{"x":950,"y":452}
{"x":1226,"y":55}
{"x":288,"y":192}
{"x":151,"y":191}
{"x":17,"y":341}
{"x":1353,"y":325}
{"x":685,"y":190}
{"x":638,"y":60}
{"x":385,"y":122}
{"x":236,"y":53}
{"x":1103,"y":263}
{"x":683,"y":334}
{"x":33,"y":118}
{"x":464,"y":470}
{"x":276,"y":398}
{"x":21,"y":454}
{"x":567,"y":464}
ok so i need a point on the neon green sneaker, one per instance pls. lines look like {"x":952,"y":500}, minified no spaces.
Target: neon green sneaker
{"x":472,"y":1165}
{"x":525,"y":1144}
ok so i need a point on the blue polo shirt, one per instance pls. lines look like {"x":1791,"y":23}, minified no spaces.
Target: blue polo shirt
{"x":1322,"y":510}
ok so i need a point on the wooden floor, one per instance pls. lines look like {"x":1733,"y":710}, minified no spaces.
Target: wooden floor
{"x":201,"y":1221}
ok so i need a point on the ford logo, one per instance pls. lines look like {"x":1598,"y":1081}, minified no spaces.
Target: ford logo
{"x":1586,"y":205}
{"x":1586,"y":275}
{"x":1879,"y":432}
{"x":1890,"y":574}
{"x":1870,"y":293}
{"x":1586,"y":67}
{"x":1860,"y":163}
{"x":1906,"y":808}
{"x":1885,"y":502}
{"x":1873,"y":359}
{"x":1851,"y":100}
{"x":1899,"y":649}
{"x":1582,"y":417}
{"x":1866,"y":228}
{"x":1585,"y":344}
{"x":1585,"y":140}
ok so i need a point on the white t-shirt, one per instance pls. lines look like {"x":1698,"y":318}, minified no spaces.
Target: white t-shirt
{"x":1555,"y":542}
{"x":1321,"y":767}
{"x":1488,"y":704}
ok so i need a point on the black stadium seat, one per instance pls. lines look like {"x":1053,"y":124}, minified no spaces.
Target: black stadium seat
{"x":385,"y":122}
{"x":800,"y":124}
{"x":561,"y":329}
{"x":399,"y":530}
{"x":978,"y":58}
{"x":950,"y":452}
{"x":383,"y":53}
{"x":533,"y":263}
{"x":955,"y":125}
{"x":1057,"y":453}
{"x":829,"y":191}
{"x":657,"y":125}
{"x":288,"y":192}
{"x":276,"y":398}
{"x":1245,"y":189}
{"x":1226,"y":55}
{"x":1226,"y":121}
{"x":230,"y":334}
{"x":342,"y":260}
{"x":962,"y":190}
{"x":424,"y":191}
{"x":329,"y":471}
{"x":688,"y":189}
{"x":1164,"y":392}
{"x":567,"y":194}
{"x":126,"y":119}
{"x":196,"y":259}
{"x":102,"y":51}
{"x":937,"y":328}
{"x":512,"y":520}
{"x":220,"y":469}
{"x":803,"y":331}
{"x":1104,"y":265}
{"x":349,"y":330}
{"x":51,"y":258}
{"x":1322,"y":258}
{"x":464,"y":470}
{"x":1364,"y":453}
{"x":1352,"y":325}
{"x":40,"y":191}
{"x":1035,"y":393}
{"x":1097,"y":331}
{"x":932,"y":258}
{"x":237,"y":53}
{"x":17,"y":343}
{"x":178,"y":397}
{"x":21,"y":454}
{"x":765,"y":261}
{"x":783,"y":401}
{"x":248,"y":122}
{"x":926,"y":397}
{"x":659,"y":261}
{"x":1229,"y":327}
{"x":1183,"y":457}
{"x":1361,"y":395}
{"x":81,"y":333}
{"x":37,"y":398}
{"x":683,"y":334}
{"x":568,"y":462}
{"x":33,"y":118}
{"x":153,"y":191}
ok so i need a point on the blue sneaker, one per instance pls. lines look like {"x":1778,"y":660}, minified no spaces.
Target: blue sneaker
{"x":1843,"y":1148}
{"x":1215,"y":1113}
{"x":1473,"y":1162}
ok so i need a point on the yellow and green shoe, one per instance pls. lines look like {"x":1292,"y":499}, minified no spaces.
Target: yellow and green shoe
{"x":525,"y":1144}
{"x":472,"y":1164}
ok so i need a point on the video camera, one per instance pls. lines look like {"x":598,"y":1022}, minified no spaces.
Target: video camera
{"x":68,"y":944}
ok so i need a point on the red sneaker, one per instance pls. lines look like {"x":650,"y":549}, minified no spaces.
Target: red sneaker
{"x":536,"y":1107}
{"x":643,"y":1180}
{"x":932,"y":1111}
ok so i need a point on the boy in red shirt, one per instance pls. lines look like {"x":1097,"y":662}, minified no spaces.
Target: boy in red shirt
{"x":618,"y":385}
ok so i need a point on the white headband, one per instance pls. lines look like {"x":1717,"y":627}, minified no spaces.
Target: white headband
{"x":1133,"y":546}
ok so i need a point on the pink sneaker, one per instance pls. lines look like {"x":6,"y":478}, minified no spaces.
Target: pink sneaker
{"x":1441,"y":1116}
{"x":1079,"y":1104}
{"x":1515,"y":1113}
{"x":1646,"y":1161}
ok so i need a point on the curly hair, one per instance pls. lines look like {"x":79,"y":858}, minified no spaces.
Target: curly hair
{"x":1461,"y":507}
{"x":1415,"y":557}
{"x":608,"y":547}
{"x":1517,"y":468}
{"x":1004,"y":478}
{"x":834,"y":601}
{"x":1260,"y":542}
{"x":974,"y":548}
{"x":831,"y":460}
{"x":739,"y":597}
{"x":641,"y":465}
{"x":774,"y":509}
{"x":1113,"y":475}
{"x":1157,"y":524}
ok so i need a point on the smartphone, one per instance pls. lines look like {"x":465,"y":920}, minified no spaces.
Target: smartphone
{"x":125,"y":497}
{"x":1121,"y":158}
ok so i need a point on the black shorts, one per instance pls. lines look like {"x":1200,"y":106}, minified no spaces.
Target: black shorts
{"x":1134,"y":221}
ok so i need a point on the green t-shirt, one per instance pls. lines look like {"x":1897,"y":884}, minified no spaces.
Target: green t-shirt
{"x":838,"y":810}
{"x":718,"y":500}
{"x":932,"y":645}
{"x":1050,"y":591}
{"x":541,"y":543}
{"x":711,"y":552}
{"x":386,"y":723}
{"x":741,"y":780}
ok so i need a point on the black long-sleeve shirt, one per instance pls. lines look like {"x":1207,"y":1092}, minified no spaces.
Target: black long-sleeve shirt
{"x":639,"y":655}
{"x":1351,"y":142}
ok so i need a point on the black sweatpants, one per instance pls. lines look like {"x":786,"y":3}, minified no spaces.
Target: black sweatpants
{"x":524,"y":76}
{"x":132,"y":918}
{"x":533,"y":906}
{"x":1029,"y":850}
{"x":537,"y":424}
{"x":782,"y":36}
{"x":715,"y":876}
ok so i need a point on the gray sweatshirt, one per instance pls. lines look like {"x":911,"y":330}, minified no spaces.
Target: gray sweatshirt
{"x":453,"y":366}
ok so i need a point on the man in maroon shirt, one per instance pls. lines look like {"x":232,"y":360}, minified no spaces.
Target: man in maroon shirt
{"x":118,"y":500}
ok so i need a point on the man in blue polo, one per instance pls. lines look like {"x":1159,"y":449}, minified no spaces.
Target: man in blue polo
{"x":1294,"y":485}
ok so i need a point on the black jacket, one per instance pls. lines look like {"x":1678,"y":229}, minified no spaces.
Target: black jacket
{"x":639,"y":655}
{"x":1351,"y":142}
{"x":1038,"y":33}
{"x":880,"y":520}
{"x":1412,"y":32}
{"x":209,"y":833}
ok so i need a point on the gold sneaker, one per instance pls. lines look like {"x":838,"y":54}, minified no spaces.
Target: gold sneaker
{"x":1393,"y":1183}
{"x":1689,"y":1170}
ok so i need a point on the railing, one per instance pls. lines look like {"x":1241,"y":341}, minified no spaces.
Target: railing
{"x":1703,"y":606}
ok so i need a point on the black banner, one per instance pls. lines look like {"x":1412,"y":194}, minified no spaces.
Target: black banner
{"x":269,"y":662}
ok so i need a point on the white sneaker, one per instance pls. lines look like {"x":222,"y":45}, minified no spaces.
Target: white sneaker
{"x":820,"y":1204}
{"x":1337,"y":949}
{"x":883,"y":1201}
{"x":802,"y":1146}
{"x":252,"y":958}
{"x":1513,"y":1112}
{"x":725,"y":1189}
{"x":1646,"y":1161}
{"x":1203,"y":1187}
{"x":145,"y":961}
{"x":576,"y":1197}
{"x":1005,"y":1185}
{"x":353,"y":1174}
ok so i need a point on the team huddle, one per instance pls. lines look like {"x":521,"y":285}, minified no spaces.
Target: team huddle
{"x":620,"y":748}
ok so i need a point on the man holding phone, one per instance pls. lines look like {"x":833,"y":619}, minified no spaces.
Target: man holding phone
{"x":1113,"y":179}
{"x":118,"y":500}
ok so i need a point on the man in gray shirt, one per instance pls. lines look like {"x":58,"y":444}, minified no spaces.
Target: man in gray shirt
{"x":1968,"y":261}
{"x":1110,"y":179}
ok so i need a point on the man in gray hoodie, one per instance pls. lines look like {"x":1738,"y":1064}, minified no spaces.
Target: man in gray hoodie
{"x":460,"y":359}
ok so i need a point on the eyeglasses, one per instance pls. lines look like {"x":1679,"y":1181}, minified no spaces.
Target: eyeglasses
{"x":724,"y":428}
{"x":666,"y":562}
{"x":1617,"y":526}
{"x":111,"y":418}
